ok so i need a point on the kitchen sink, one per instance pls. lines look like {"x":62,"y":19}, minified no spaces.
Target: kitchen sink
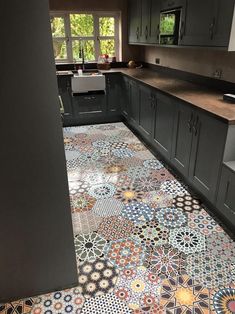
{"x":90,"y":80}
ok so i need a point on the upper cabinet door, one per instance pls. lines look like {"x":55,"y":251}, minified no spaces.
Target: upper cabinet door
{"x":222,"y":23}
{"x":197,"y":23}
{"x":145,"y":20}
{"x":134,"y":9}
{"x":153,"y":37}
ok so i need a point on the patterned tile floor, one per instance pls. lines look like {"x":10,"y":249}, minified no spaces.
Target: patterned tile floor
{"x":144,"y":243}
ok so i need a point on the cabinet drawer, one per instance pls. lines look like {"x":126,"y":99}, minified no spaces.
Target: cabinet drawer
{"x":89,"y":104}
{"x":226,"y":195}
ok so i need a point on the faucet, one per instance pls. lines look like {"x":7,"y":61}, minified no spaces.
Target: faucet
{"x":81,"y":54}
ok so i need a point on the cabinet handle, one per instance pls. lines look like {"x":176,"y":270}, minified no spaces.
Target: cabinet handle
{"x":211,"y":28}
{"x":190,"y":123}
{"x":195,"y":126}
{"x":137,"y":32}
{"x":146,"y":32}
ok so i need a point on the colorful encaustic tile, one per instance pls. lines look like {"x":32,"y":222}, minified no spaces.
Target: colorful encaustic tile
{"x":147,"y":184}
{"x":85,"y":222}
{"x":96,"y":277}
{"x":203,"y":222}
{"x":129,"y":194}
{"x":125,"y":253}
{"x":89,"y":246}
{"x":187,"y":240}
{"x":153,"y":164}
{"x":108,"y":207}
{"x":151,"y":233}
{"x":105,"y":304}
{"x":209,"y":270}
{"x":81,"y":203}
{"x":182,"y":295}
{"x":223,"y":300}
{"x":102,"y":191}
{"x":145,"y":244}
{"x":187,"y":202}
{"x":116,"y":227}
{"x":60,"y":302}
{"x":171,"y":217}
{"x":166,"y":261}
{"x":137,"y":212}
{"x":173,"y":187}
{"x":138,"y":287}
{"x":220,"y":244}
{"x":158,"y":199}
{"x":18,"y":307}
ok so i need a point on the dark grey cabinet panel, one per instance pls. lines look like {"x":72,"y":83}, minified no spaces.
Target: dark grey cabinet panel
{"x":64,"y":86}
{"x":163,"y":125}
{"x":182,"y":138}
{"x":170,"y":4}
{"x":145,"y":20}
{"x":147,"y":105}
{"x":134,"y":13}
{"x":223,"y":15}
{"x":113,"y":92}
{"x":125,"y":96}
{"x":197,"y":27}
{"x":154,"y":31}
{"x":134,"y":103}
{"x":209,"y":136}
{"x":226,"y":195}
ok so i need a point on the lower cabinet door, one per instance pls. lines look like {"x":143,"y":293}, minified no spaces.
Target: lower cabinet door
{"x":125,"y":96}
{"x":226,"y":195}
{"x":134,"y":103}
{"x":147,"y":99}
{"x":163,"y":125}
{"x":209,"y":136}
{"x":182,"y":138}
{"x":113,"y":94}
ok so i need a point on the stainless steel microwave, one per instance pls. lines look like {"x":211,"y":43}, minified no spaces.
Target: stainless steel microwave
{"x":170,"y":21}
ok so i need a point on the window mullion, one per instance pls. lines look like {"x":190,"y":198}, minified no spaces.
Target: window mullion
{"x":96,"y":34}
{"x":68,"y":37}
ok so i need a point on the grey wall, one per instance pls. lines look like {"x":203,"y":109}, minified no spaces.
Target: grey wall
{"x":36,"y":238}
{"x":199,"y":61}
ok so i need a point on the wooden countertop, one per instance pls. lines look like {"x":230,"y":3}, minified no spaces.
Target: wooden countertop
{"x":197,"y":95}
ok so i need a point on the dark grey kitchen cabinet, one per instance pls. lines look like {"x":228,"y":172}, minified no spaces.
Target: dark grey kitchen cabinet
{"x":209,"y":137}
{"x":154,"y":30}
{"x":64,"y":87}
{"x":222,"y":23}
{"x":90,"y":108}
{"x":134,"y":103}
{"x":163,"y":125}
{"x":145,"y":20}
{"x":182,"y":137}
{"x":171,"y":4}
{"x":226,"y":195}
{"x":125,"y":96}
{"x":146,"y":115}
{"x":134,"y":17}
{"x":113,"y":92}
{"x":197,"y":23}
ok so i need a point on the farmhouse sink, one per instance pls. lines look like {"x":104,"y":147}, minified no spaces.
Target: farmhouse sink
{"x":89,"y":81}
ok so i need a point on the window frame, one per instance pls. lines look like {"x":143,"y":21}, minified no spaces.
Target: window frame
{"x":69,"y":38}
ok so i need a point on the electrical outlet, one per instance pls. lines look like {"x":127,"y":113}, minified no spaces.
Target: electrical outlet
{"x":157,"y":61}
{"x":218,"y":73}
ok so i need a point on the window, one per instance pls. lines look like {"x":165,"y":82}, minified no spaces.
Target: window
{"x":97,"y":33}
